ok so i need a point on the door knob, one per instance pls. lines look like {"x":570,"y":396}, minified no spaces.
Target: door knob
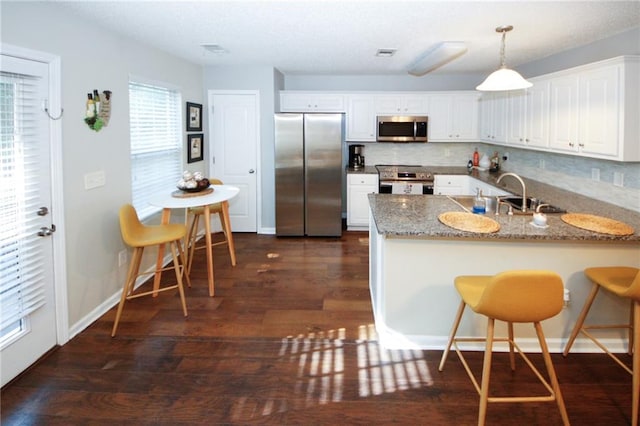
{"x":45,"y":232}
{"x":251,"y":171}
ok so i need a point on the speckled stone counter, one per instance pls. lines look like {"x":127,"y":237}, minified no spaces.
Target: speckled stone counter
{"x":414,"y":260}
{"x":417,"y":216}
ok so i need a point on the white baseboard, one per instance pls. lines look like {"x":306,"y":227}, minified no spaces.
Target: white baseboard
{"x":109,"y":303}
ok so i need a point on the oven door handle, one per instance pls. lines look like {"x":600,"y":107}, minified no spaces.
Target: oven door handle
{"x":415,"y":129}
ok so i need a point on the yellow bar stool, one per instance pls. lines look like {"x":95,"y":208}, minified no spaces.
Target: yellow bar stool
{"x":623,"y":281}
{"x":195,"y":213}
{"x":138,"y":236}
{"x":517,"y":296}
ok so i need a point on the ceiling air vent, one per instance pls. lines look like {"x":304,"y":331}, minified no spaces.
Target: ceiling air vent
{"x":386,"y":53}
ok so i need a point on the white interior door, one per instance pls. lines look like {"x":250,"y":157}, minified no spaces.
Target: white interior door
{"x":234,"y":152}
{"x":27,"y":296}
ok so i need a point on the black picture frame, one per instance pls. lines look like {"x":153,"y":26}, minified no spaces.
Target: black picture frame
{"x":195,"y":144}
{"x":194,"y":117}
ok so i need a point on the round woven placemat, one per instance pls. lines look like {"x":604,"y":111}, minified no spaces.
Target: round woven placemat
{"x":469,"y":222}
{"x":183,"y":194}
{"x":595,"y":223}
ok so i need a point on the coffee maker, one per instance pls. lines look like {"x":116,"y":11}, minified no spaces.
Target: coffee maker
{"x":356,"y":156}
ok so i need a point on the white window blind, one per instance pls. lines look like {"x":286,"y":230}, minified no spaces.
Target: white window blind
{"x":21,"y":273}
{"x":156,"y":143}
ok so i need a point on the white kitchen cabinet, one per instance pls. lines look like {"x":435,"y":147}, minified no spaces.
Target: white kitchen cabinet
{"x":463,"y":185}
{"x":594,"y":110}
{"x":403,"y":104}
{"x":361,"y":118}
{"x":453,"y":117}
{"x":359,"y":186}
{"x":311,"y":102}
{"x":451,"y":185}
{"x":527,"y":116}
{"x":493,"y":112}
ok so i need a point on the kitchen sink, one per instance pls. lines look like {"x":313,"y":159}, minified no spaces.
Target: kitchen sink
{"x":532,"y":204}
{"x":466,"y":202}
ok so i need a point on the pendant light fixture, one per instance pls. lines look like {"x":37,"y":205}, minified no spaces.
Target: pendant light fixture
{"x":504,"y":78}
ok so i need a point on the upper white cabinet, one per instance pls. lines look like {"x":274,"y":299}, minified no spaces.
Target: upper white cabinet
{"x":493,"y":117}
{"x":453,"y":116}
{"x":403,"y":104}
{"x":594,"y":110}
{"x":527,"y":116}
{"x":311,"y":102}
{"x":361,"y":118}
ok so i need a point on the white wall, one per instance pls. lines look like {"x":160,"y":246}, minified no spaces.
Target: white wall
{"x":92,"y":58}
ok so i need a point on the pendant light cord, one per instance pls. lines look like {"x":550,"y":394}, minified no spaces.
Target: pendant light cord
{"x":502,"y":61}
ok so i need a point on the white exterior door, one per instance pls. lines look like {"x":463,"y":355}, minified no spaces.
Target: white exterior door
{"x":234,"y":152}
{"x":27,"y":235}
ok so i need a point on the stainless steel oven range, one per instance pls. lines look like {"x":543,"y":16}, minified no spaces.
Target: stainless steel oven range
{"x":404,"y":179}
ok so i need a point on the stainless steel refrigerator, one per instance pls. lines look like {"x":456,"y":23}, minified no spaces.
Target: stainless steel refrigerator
{"x":309,"y":174}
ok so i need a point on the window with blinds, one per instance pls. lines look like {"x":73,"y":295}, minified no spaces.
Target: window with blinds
{"x":21,"y":272}
{"x":156,"y":143}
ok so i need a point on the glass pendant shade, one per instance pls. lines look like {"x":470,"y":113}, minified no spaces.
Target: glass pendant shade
{"x":503,"y":79}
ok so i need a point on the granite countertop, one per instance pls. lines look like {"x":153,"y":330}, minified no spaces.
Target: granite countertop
{"x":417,"y":215}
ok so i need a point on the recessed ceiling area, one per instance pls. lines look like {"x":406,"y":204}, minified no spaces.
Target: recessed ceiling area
{"x":341,"y":37}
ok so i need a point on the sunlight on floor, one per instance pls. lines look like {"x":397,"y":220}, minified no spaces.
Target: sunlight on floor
{"x":321,"y":372}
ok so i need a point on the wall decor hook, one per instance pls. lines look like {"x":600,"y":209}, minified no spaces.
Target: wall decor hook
{"x":45,"y":107}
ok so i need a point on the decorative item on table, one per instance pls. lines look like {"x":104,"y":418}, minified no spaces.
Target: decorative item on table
{"x":98,"y":110}
{"x":193,"y":182}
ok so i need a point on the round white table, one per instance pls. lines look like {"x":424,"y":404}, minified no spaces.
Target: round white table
{"x":221,"y":194}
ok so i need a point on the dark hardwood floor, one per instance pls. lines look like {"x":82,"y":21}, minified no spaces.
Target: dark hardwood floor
{"x":287,"y":340}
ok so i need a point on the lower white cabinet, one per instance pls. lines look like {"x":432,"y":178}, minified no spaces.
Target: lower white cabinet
{"x":359,"y":186}
{"x":463,"y":185}
{"x":451,"y":185}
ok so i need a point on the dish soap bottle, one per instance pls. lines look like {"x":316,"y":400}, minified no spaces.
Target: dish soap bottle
{"x":479,"y":203}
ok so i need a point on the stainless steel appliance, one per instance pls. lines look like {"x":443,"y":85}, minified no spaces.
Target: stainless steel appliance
{"x":308,"y":167}
{"x":404,"y":179}
{"x":356,"y":156}
{"x":402,"y":128}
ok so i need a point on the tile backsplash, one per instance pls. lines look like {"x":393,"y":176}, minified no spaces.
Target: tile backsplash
{"x":610,"y":181}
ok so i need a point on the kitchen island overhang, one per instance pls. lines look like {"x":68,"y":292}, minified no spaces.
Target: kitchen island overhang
{"x":414,"y":259}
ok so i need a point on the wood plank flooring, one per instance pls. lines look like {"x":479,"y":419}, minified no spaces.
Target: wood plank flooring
{"x":287,"y":340}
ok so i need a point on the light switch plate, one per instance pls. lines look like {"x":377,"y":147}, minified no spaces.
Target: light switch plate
{"x":618,"y":179}
{"x":94,"y":180}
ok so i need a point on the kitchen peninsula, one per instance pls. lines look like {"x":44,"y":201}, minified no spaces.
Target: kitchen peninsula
{"x":414,"y":259}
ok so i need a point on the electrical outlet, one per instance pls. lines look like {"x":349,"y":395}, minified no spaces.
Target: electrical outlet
{"x":595,"y":174}
{"x":542,"y":164}
{"x":447,"y":152}
{"x":618,"y":179}
{"x":122,"y":257}
{"x":94,"y":179}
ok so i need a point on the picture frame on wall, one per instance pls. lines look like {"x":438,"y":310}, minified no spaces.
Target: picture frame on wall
{"x":194,"y":147}
{"x":194,"y":117}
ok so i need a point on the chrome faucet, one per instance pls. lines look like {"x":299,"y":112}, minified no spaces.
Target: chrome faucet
{"x":524,"y":189}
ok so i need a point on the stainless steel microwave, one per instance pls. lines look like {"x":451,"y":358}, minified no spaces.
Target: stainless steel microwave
{"x":402,"y":128}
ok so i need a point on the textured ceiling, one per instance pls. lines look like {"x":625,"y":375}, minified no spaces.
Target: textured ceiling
{"x":341,"y":37}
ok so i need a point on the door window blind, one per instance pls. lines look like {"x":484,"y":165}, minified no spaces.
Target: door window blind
{"x":156,"y":143}
{"x":22,"y":278}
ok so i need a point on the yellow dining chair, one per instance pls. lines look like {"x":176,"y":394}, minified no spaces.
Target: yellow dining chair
{"x":195,"y":213}
{"x":138,"y":236}
{"x":517,"y":296}
{"x":623,"y":281}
